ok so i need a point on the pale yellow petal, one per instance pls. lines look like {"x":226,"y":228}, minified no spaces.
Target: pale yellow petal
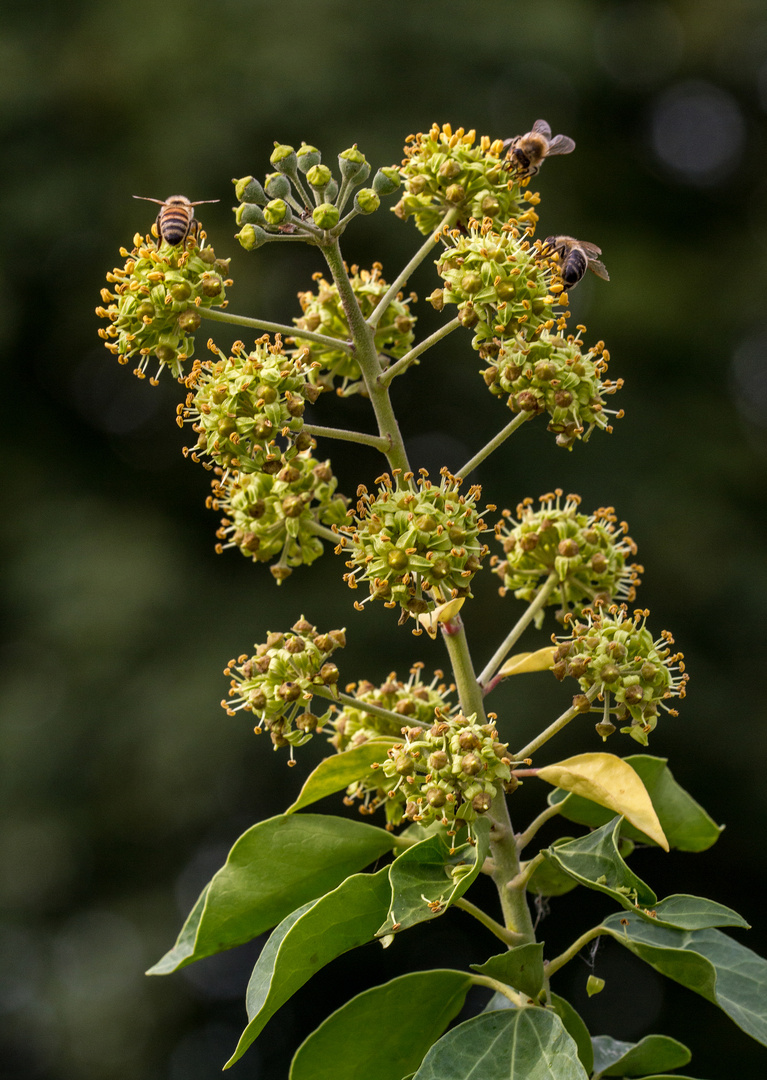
{"x":540,"y":660}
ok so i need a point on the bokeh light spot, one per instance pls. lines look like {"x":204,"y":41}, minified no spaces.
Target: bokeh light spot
{"x":697,"y":130}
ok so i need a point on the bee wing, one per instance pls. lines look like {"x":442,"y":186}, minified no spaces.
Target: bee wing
{"x":540,"y":127}
{"x":598,"y":268}
{"x":146,"y":198}
{"x":511,"y":141}
{"x":591,"y":249}
{"x":560,"y":144}
{"x":201,"y":201}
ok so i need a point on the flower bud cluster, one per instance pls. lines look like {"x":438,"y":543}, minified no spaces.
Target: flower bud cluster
{"x":445,"y":170}
{"x":414,"y":542}
{"x":153,"y":301}
{"x":303,"y":199}
{"x":323,"y":313}
{"x":412,"y":702}
{"x":277,"y":683}
{"x":270,"y":516}
{"x":553,"y":374}
{"x":634,"y":674}
{"x":588,"y":553}
{"x":449,"y":772}
{"x":241,"y":403}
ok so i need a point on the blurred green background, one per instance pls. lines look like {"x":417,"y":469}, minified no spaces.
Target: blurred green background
{"x":124,"y":783}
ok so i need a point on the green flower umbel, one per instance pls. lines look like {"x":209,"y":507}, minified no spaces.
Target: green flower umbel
{"x":635,"y":675}
{"x":243,"y":403}
{"x":588,"y":553}
{"x":323,"y":313}
{"x":277,"y":516}
{"x":445,"y":170}
{"x":153,"y":301}
{"x":277,"y":683}
{"x":415,"y":543}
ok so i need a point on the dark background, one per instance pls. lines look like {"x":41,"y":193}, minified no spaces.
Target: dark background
{"x":124,"y":782}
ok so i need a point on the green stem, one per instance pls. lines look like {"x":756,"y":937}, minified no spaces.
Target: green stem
{"x":376,"y":441}
{"x":518,"y":1000}
{"x":366,"y":355}
{"x":506,"y":936}
{"x":545,"y":815}
{"x":447,"y":221}
{"x":327,"y":534}
{"x":363,"y":706}
{"x":558,"y":962}
{"x":553,"y":728}
{"x":524,"y":875}
{"x":516,"y":632}
{"x":216,"y":315}
{"x":494,"y":443}
{"x":404,"y":362}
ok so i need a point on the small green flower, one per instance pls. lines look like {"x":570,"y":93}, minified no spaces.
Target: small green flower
{"x":277,"y":683}
{"x":154,"y":301}
{"x":634,"y":674}
{"x":445,"y":170}
{"x":323,"y":313}
{"x":415,"y":543}
{"x":588,"y":553}
{"x":242,"y":404}
{"x":271,"y":516}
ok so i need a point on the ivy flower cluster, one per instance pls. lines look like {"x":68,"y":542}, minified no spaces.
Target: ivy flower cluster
{"x":414,"y":542}
{"x":279,"y":515}
{"x":445,"y":170}
{"x":241,"y":403}
{"x":303,"y":200}
{"x":277,"y":683}
{"x":323,"y":313}
{"x":449,"y":772}
{"x":154,"y":300}
{"x":589,"y":553}
{"x":634,"y":674}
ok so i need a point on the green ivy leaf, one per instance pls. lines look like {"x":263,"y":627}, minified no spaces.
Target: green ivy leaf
{"x":707,"y":961}
{"x":521,"y":968}
{"x":337,"y":772}
{"x":275,"y":867}
{"x":682,"y":912}
{"x":512,"y":1044}
{"x":686,"y":824}
{"x":594,"y":861}
{"x":383,"y":1033}
{"x":308,"y":939}
{"x":428,"y":874}
{"x":576,"y":1029}
{"x":615,"y":1058}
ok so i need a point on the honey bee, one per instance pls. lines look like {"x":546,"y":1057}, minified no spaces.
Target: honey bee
{"x":176,"y":219}
{"x":576,"y":257}
{"x":527,"y":152}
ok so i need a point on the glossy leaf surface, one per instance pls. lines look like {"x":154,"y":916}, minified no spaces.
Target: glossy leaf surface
{"x":654,"y":1053}
{"x":576,"y":1029}
{"x":337,"y":772}
{"x":520,"y":968}
{"x":383,"y":1033}
{"x":273,"y":868}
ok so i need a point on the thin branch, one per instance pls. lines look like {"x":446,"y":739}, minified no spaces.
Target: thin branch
{"x":519,"y":883}
{"x":561,"y":722}
{"x":508,"y":937}
{"x":327,"y":534}
{"x":494,"y":443}
{"x":516,"y":632}
{"x":545,"y":815}
{"x":431,"y":241}
{"x":363,"y":706}
{"x":378,"y":442}
{"x":405,"y":361}
{"x":518,"y":1000}
{"x":559,"y":961}
{"x":217,"y":315}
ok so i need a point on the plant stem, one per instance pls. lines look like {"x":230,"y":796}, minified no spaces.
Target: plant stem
{"x":553,"y":728}
{"x":363,"y":706}
{"x":494,"y":443}
{"x":449,"y":219}
{"x":524,"y":875}
{"x":545,"y":815}
{"x":508,"y":937}
{"x":516,"y":632}
{"x":273,"y":328}
{"x":558,"y":962}
{"x":378,"y":442}
{"x":518,"y":1000}
{"x":404,"y":362}
{"x":327,"y":534}
{"x":367,"y":357}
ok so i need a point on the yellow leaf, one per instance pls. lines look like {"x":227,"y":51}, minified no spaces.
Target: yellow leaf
{"x":430,"y":620}
{"x":541,"y":660}
{"x":611,"y":782}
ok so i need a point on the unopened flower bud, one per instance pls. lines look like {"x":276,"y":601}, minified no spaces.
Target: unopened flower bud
{"x":366,"y":201}
{"x":326,"y":216}
{"x":283,"y":157}
{"x":276,"y":212}
{"x":277,"y":186}
{"x":248,"y":190}
{"x":386,"y":180}
{"x":319,"y":176}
